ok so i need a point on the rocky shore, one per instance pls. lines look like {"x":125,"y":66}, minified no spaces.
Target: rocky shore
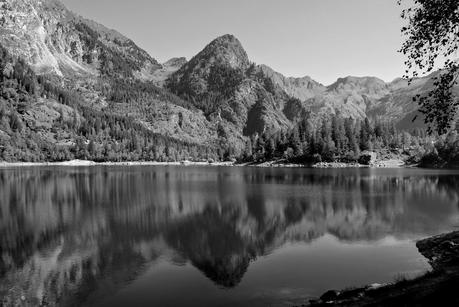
{"x":438,"y":287}
{"x":124,"y":163}
{"x":276,"y":163}
{"x":366,"y":159}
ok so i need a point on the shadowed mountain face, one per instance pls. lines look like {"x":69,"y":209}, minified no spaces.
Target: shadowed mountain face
{"x":221,"y":81}
{"x":192,"y":79}
{"x":77,"y":235}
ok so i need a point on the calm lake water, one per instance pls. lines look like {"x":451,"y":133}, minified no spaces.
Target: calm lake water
{"x":212,"y":236}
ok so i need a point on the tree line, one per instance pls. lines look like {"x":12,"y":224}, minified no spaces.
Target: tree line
{"x":340,"y":139}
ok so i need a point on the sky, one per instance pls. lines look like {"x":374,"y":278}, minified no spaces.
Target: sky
{"x":323,"y":39}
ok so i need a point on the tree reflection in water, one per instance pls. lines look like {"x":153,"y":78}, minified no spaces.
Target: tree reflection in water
{"x":73,"y":235}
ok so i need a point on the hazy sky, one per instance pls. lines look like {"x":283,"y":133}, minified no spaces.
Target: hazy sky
{"x":324,"y":39}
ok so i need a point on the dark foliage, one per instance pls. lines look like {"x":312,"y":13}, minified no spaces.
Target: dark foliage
{"x":211,"y":94}
{"x":136,"y":91}
{"x":432,"y":34}
{"x":224,"y":80}
{"x":336,"y":140}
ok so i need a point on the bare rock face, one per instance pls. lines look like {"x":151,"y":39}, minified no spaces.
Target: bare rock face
{"x":353,"y":97}
{"x":53,"y":40}
{"x":301,"y":88}
{"x":33,"y":31}
{"x":350,"y":97}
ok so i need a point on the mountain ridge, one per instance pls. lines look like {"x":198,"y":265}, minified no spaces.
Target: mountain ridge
{"x":218,"y":98}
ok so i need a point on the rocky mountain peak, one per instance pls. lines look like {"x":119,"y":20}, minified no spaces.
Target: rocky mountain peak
{"x":361,"y":85}
{"x":225,"y":50}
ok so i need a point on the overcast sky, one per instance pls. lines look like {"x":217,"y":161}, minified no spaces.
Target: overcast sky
{"x":324,"y":39}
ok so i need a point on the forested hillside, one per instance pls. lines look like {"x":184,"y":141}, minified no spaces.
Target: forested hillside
{"x":40,"y":121}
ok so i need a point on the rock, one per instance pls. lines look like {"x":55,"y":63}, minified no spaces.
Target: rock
{"x":330,"y":295}
{"x":367,"y":158}
{"x":54,"y":40}
{"x":442,"y":251}
{"x":375,"y":286}
{"x":437,"y":287}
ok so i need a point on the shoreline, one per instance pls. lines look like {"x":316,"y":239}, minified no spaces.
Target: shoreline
{"x":77,"y":163}
{"x":433,"y":288}
{"x":267,"y":164}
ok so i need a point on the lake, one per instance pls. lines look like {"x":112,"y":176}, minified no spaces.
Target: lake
{"x":213,"y":236}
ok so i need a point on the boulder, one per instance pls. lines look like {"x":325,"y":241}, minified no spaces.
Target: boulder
{"x":367,"y":158}
{"x":330,"y":296}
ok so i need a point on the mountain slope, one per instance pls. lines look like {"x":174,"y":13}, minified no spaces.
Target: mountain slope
{"x":217,"y":99}
{"x":300,"y":88}
{"x":221,"y":81}
{"x":160,"y":76}
{"x":193,"y":78}
{"x":54,"y":40}
{"x":42,"y":121}
{"x":106,"y":69}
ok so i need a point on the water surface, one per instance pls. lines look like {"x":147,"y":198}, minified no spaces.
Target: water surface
{"x":212,"y":236}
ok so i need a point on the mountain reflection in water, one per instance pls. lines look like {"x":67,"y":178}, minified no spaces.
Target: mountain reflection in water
{"x":76,"y":236}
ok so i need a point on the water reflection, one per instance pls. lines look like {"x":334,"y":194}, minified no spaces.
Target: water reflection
{"x":74,"y":236}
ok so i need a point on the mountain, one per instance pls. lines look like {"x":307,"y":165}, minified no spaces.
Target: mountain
{"x":98,"y":67}
{"x":350,"y":97}
{"x":66,"y":80}
{"x":221,"y":81}
{"x":192,"y":78}
{"x":367,"y":97}
{"x":300,"y":88}
{"x":52,"y":39}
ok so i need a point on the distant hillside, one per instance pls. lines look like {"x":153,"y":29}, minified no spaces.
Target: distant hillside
{"x":160,"y":76}
{"x":300,"y":88}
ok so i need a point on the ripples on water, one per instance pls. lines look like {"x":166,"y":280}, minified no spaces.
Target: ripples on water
{"x":212,"y":236}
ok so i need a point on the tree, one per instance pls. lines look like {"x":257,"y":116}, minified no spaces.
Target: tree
{"x":92,"y":149}
{"x":432,"y":36}
{"x":365,"y":135}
